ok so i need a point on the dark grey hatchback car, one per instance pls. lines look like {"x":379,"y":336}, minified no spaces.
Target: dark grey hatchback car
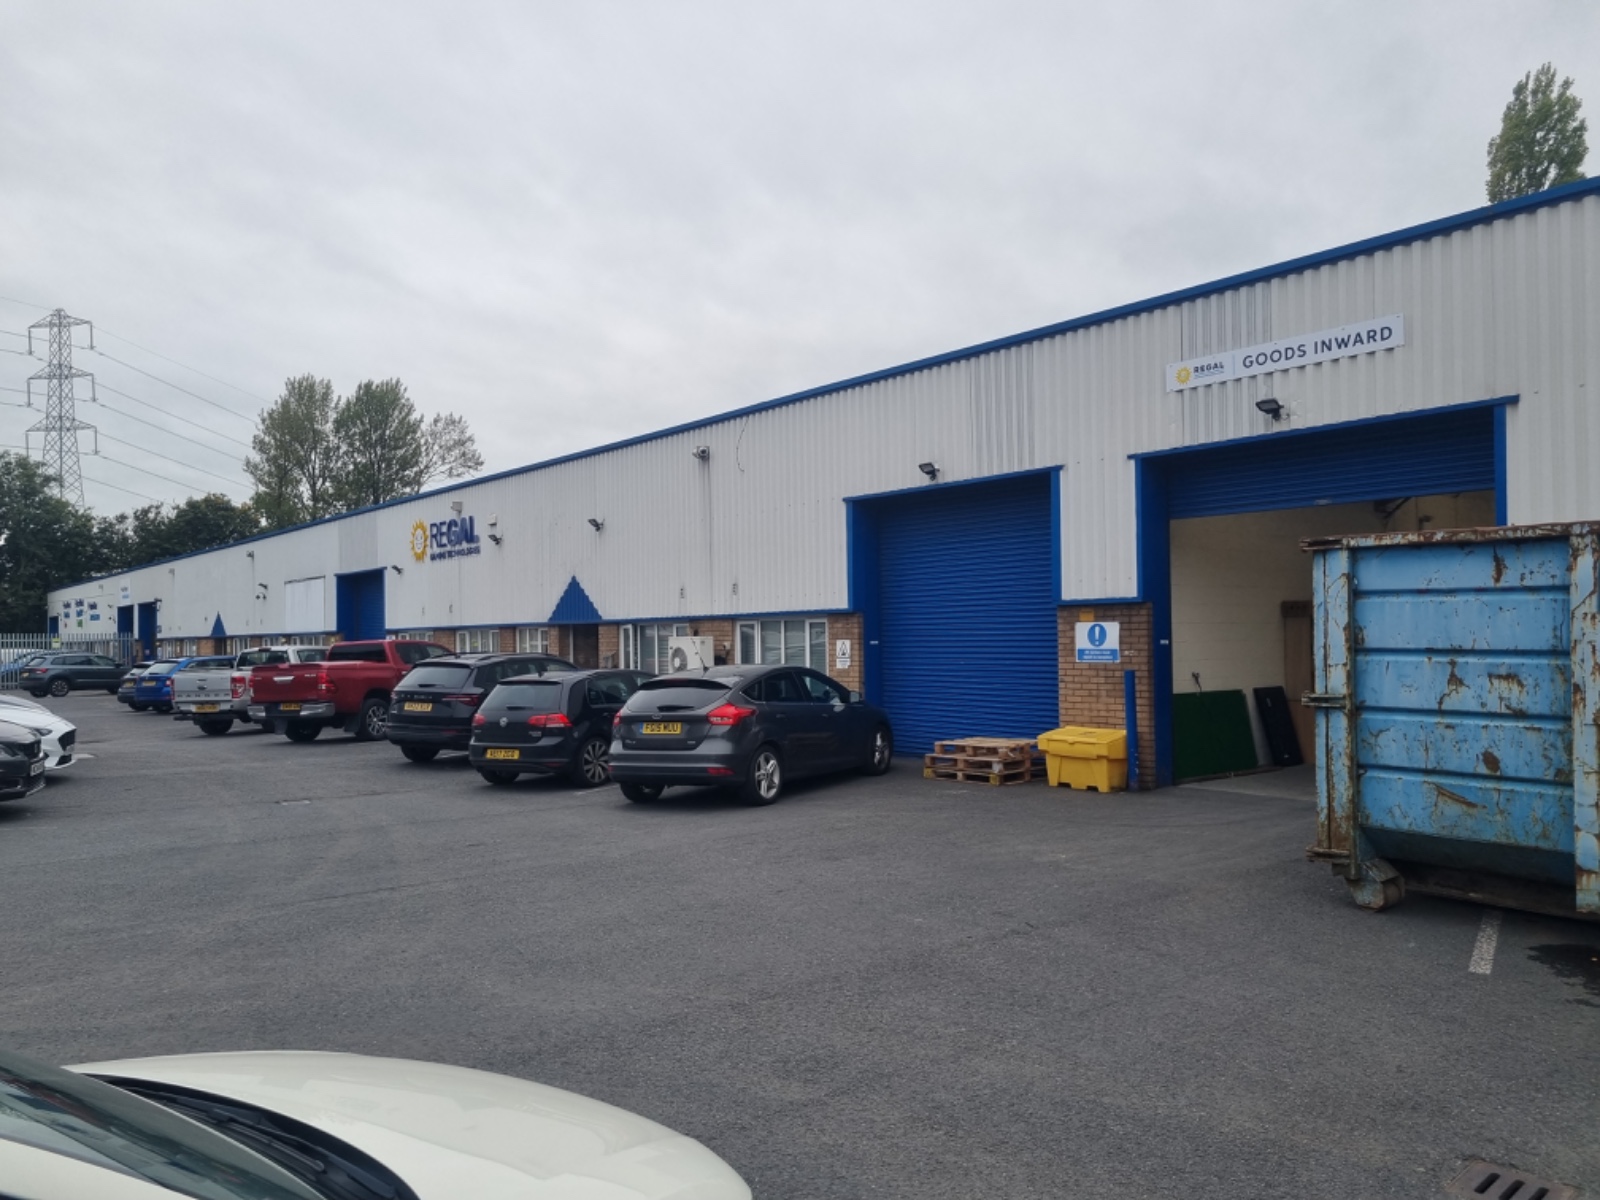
{"x":749,"y":728}
{"x":555,"y":724}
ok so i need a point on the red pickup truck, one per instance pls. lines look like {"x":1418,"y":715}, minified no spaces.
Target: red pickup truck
{"x":350,"y":690}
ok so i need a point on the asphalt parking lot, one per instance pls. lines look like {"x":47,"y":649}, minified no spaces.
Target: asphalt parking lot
{"x":891,"y":987}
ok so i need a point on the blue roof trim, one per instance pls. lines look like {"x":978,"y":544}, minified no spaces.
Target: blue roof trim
{"x":1384,"y":241}
{"x":574,"y":607}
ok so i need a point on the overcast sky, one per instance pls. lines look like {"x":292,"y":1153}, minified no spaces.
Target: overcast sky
{"x":575,"y":223}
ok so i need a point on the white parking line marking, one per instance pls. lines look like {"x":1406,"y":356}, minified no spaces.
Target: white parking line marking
{"x":1488,"y":937}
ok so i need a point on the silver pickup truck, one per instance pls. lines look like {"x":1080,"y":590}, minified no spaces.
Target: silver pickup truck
{"x":215,"y":697}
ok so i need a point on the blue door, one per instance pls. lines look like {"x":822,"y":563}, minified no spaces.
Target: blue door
{"x":147,"y":629}
{"x":360,"y":606}
{"x":964,"y":615}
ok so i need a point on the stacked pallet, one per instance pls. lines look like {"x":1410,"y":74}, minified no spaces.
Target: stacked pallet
{"x":995,"y":761}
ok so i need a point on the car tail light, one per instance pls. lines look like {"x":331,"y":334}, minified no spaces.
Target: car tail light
{"x":729,"y":714}
{"x":470,"y":699}
{"x":322,"y":682}
{"x":549,"y":721}
{"x":479,"y":719}
{"x":719,"y":770}
{"x":616,"y":721}
{"x":237,"y":683}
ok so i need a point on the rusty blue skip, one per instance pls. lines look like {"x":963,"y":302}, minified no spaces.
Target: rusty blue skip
{"x":1457,"y":689}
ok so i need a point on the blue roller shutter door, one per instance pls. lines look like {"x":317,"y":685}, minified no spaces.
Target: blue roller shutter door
{"x":361,"y":608}
{"x":1388,"y":460}
{"x":967,"y":613}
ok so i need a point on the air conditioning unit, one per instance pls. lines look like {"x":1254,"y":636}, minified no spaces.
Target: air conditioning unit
{"x":690,"y":654}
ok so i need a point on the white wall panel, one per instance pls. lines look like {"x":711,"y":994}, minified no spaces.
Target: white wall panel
{"x":1504,"y":307}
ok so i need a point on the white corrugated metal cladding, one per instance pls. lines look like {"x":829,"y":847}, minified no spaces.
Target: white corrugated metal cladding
{"x":1498,"y":302}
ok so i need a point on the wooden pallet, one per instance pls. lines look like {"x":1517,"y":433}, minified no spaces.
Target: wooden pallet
{"x":1020,"y":773}
{"x":995,"y":761}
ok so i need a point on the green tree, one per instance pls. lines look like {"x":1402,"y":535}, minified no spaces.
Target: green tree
{"x":297,"y":461}
{"x":44,"y":542}
{"x":391,"y":452}
{"x":1542,"y":142}
{"x":199,"y":523}
{"x":381,"y":433}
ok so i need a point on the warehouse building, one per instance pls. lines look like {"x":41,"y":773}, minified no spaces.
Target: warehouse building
{"x":985,"y":541}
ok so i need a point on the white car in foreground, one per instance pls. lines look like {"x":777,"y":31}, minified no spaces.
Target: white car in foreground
{"x":57,"y":735}
{"x":294,"y":1125}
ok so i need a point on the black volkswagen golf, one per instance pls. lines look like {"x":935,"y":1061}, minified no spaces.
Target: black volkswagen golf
{"x":432,"y":707}
{"x":556,"y":724}
{"x":749,"y":728}
{"x":22,"y":760}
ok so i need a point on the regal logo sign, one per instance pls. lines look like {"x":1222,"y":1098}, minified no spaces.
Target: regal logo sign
{"x":1381,"y":333}
{"x":455,"y":538}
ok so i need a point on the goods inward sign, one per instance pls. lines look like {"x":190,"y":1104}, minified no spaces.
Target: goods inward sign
{"x":1099,"y":641}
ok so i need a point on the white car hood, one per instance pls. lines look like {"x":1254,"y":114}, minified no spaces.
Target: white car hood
{"x":452,"y":1132}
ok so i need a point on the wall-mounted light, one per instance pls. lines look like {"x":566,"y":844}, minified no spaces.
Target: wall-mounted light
{"x":930,"y":469}
{"x":703,"y":453}
{"x":597,"y":523}
{"x":455,"y":507}
{"x":496,"y":538}
{"x":249,"y":553}
{"x":1271,"y":407}
{"x":397,"y":568}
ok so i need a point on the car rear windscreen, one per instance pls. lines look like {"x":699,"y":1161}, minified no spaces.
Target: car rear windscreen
{"x":537,"y":697}
{"x":445,"y":675}
{"x":677,"y":695}
{"x":161,"y":668}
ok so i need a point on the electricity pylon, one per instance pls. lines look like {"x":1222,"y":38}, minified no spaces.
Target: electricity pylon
{"x":61,"y":426}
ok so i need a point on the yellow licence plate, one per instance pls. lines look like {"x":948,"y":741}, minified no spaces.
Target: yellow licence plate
{"x":288,"y":708}
{"x":661,"y":727}
{"x":417,"y":706}
{"x":502,"y":753}
{"x":205,"y":708}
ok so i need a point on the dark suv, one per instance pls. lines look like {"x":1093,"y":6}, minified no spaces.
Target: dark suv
{"x":558,"y":724}
{"x":432,"y":707}
{"x":748,"y":728}
{"x":61,"y":674}
{"x":22,"y":761}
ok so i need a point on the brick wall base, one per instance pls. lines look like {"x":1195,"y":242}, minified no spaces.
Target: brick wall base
{"x":1092,"y":693}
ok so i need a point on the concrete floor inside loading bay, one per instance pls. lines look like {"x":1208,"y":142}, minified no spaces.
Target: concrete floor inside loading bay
{"x":886,"y":987}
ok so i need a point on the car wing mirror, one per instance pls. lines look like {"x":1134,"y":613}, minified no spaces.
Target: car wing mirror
{"x":855,"y":697}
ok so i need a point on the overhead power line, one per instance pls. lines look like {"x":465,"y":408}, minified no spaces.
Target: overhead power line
{"x":232,"y":412}
{"x":120,"y":488}
{"x":106,"y":387}
{"x":175,"y":461}
{"x":186,"y":366}
{"x":232,"y":458}
{"x":146,"y":470}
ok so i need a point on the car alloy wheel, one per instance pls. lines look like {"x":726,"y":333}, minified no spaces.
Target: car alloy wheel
{"x":593,"y":763}
{"x":373,"y":722}
{"x":60,"y":687}
{"x":765,"y":778}
{"x":882,"y":751}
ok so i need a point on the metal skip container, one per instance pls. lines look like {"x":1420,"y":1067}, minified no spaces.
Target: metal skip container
{"x":1457,"y":686}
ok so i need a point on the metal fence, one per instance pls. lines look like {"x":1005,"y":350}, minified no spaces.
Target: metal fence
{"x":16,"y":648}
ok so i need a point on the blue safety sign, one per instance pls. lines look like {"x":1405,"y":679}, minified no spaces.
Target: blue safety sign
{"x":1099,"y":641}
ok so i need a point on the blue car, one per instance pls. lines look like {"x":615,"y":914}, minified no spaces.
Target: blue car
{"x":153,"y":689}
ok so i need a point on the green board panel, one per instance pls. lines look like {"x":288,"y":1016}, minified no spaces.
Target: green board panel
{"x":1211,"y":734}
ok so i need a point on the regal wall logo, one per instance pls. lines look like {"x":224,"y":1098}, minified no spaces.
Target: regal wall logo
{"x":455,"y":538}
{"x":419,"y":541}
{"x":1184,"y":375}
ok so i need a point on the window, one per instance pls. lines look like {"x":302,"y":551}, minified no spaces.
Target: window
{"x":533,"y":641}
{"x":477,"y":641}
{"x":824,"y":690}
{"x":645,"y":647}
{"x":412,"y":635}
{"x":796,"y":641}
{"x":781,"y":687}
{"x":415,"y":652}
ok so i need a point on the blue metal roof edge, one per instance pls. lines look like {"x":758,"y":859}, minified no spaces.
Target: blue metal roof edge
{"x":1399,"y":237}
